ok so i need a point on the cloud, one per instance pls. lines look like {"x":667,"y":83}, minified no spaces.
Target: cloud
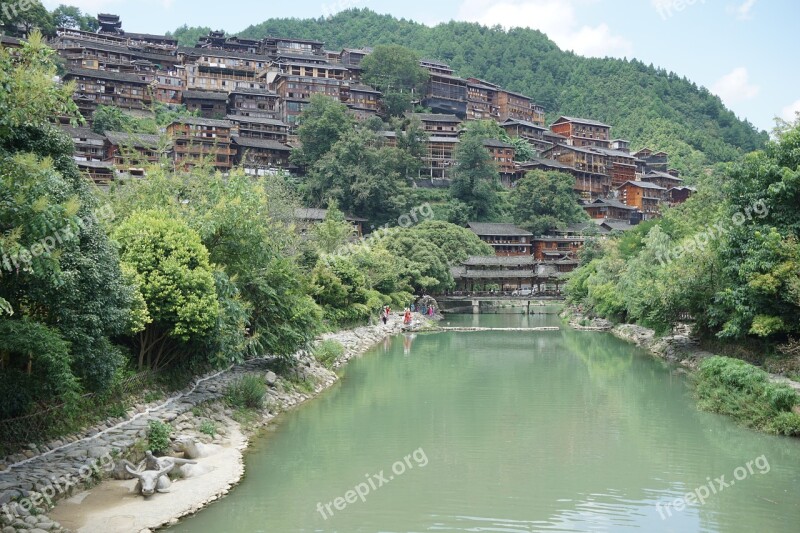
{"x":735,"y":87}
{"x":100,"y":6}
{"x":789,"y":112}
{"x":742,"y":11}
{"x":90,"y":6}
{"x":556,"y":18}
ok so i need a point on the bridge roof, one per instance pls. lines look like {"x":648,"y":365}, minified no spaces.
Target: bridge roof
{"x":491,"y":260}
{"x":491,"y":228}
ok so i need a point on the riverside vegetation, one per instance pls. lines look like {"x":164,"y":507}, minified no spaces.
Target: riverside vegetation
{"x":182,"y":273}
{"x":729,"y":261}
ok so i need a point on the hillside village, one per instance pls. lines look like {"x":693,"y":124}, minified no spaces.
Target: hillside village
{"x":248,"y":95}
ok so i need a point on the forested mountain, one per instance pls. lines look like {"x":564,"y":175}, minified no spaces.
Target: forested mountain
{"x":647,"y":105}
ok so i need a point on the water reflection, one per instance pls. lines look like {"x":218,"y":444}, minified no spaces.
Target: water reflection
{"x":408,"y":341}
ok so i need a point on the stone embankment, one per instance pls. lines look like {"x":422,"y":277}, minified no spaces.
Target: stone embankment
{"x":679,"y":347}
{"x":32,"y":482}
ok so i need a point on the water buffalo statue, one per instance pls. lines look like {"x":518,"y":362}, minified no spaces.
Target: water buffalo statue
{"x":152,"y":481}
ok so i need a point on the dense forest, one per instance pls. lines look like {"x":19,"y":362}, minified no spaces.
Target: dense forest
{"x":647,"y":105}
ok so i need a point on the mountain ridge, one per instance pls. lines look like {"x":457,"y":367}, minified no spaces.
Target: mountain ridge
{"x":647,"y":105}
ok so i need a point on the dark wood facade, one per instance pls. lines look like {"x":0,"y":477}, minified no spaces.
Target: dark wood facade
{"x":98,"y":87}
{"x":505,"y":239}
{"x":196,"y":139}
{"x":583,"y":131}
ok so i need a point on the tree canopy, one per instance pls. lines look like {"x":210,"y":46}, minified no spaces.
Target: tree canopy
{"x":544,"y":201}
{"x":396,"y":72}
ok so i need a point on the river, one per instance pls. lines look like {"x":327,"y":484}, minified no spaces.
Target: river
{"x":510,"y":432}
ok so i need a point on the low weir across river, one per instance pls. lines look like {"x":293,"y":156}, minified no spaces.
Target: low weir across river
{"x":500,"y":303}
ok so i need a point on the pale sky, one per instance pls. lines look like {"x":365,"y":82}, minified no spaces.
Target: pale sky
{"x":745,"y":51}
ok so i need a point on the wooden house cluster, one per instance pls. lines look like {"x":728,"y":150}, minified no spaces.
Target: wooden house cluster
{"x":249,"y":93}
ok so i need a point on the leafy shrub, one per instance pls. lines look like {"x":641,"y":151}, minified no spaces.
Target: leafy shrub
{"x":786,"y":423}
{"x":328,"y":351}
{"x":158,"y":434}
{"x":781,"y":397}
{"x":247,"y":392}
{"x":208,"y":428}
{"x":744,"y":392}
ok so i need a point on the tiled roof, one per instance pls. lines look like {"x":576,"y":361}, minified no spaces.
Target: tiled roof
{"x":495,"y":143}
{"x":512,"y":121}
{"x":549,"y":163}
{"x":360,"y":87}
{"x":434,"y":117}
{"x":613,"y":153}
{"x":265,"y":144}
{"x":81,"y":133}
{"x":643,"y":185}
{"x":461,"y":273}
{"x":311,"y":213}
{"x":121,"y":49}
{"x":200,"y":121}
{"x":653,"y":174}
{"x":205,"y":95}
{"x":618,"y":225}
{"x":257,"y":120}
{"x":212,"y":52}
{"x":137,"y":140}
{"x":498,"y":229}
{"x":491,"y":260}
{"x":586,"y":121}
{"x":105,"y":75}
{"x":610,"y":202}
{"x":248,"y":90}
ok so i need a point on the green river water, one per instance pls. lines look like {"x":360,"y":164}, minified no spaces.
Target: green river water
{"x":509,"y":432}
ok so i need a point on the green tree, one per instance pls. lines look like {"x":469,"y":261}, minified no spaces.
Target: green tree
{"x":112,"y":118}
{"x":29,"y":16}
{"x":73,"y":282}
{"x":420,"y":262}
{"x":395,"y":70}
{"x":456,"y":243}
{"x":341,"y":290}
{"x":523,"y":151}
{"x":175,"y":278}
{"x":245,"y":223}
{"x":412,"y":142}
{"x":324,"y":122}
{"x":760,"y":252}
{"x":362,"y":175}
{"x":333,"y":232}
{"x":475,"y":180}
{"x":188,"y":36}
{"x":543,"y":201}
{"x":29,"y":96}
{"x":71,"y":17}
{"x":35,"y":366}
